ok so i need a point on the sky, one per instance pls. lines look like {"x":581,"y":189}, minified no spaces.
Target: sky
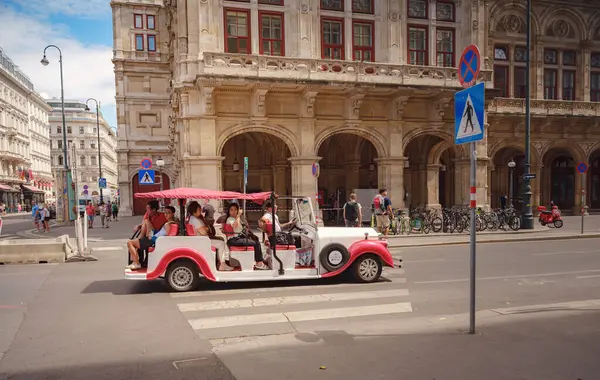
{"x":81,"y":29}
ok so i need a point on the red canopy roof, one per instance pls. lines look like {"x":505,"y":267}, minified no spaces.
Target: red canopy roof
{"x":191,"y":193}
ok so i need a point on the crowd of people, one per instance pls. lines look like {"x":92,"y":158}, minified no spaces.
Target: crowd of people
{"x":107,"y":211}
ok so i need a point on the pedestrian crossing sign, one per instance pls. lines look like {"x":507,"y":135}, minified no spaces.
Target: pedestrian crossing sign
{"x":146,"y":177}
{"x":469,"y":114}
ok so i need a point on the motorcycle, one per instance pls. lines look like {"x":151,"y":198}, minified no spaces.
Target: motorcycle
{"x":550,"y":217}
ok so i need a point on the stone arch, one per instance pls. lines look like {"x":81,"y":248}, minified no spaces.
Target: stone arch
{"x":444,"y":135}
{"x":554,"y":17}
{"x":278,"y":131}
{"x":436,"y":152}
{"x":369,"y":134}
{"x":500,"y":10}
{"x":593,"y":27}
{"x":576,"y":152}
{"x":493,"y":150}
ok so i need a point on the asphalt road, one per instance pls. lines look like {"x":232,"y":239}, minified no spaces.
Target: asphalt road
{"x":82,"y":321}
{"x":13,"y":224}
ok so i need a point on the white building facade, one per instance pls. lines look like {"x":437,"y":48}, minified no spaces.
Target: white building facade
{"x":25,"y":167}
{"x":91,"y":151}
{"x":365,"y":88}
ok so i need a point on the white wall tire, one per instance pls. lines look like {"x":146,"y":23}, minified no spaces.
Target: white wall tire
{"x":334,"y":256}
{"x":367,"y":268}
{"x":182,"y":276}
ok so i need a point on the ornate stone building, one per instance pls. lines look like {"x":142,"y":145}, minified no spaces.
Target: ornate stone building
{"x":363,"y":87}
{"x":25,"y":174}
{"x":82,"y":133}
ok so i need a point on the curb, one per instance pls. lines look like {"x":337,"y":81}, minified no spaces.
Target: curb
{"x":30,"y":234}
{"x":507,"y":240}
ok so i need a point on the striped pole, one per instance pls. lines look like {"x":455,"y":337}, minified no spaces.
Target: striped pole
{"x":473,"y":203}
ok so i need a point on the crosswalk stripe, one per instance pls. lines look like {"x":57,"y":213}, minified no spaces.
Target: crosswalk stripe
{"x":290,"y":300}
{"x":298,"y":316}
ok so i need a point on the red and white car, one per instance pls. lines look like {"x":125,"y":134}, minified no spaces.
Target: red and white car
{"x":324,"y":251}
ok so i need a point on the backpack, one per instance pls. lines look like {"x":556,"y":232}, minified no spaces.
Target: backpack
{"x":351,"y":211}
{"x":378,"y":203}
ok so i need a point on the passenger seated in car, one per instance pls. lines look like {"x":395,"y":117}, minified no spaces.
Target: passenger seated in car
{"x":202,"y":228}
{"x":156,"y":219}
{"x":241,"y":237}
{"x":280,"y":237}
{"x":144,"y":242}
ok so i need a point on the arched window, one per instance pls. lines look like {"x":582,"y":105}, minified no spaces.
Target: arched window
{"x":60,"y":160}
{"x":93,"y":160}
{"x":82,"y":160}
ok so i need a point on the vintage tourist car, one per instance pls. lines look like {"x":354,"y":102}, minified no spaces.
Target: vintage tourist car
{"x":319,"y":252}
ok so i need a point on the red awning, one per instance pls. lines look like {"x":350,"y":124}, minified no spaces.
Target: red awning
{"x":33,"y":189}
{"x":6,"y":188}
{"x":191,"y":193}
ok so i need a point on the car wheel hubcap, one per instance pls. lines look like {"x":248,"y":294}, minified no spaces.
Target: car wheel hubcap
{"x":335,"y":258}
{"x":368,"y":269}
{"x":182,"y":277}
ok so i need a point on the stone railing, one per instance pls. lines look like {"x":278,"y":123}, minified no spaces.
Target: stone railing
{"x":324,"y":70}
{"x":544,"y":107}
{"x":141,"y":56}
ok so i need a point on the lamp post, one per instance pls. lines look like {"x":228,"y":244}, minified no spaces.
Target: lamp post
{"x":45,"y":62}
{"x":527,"y":217}
{"x":160,"y":163}
{"x":87,"y":108}
{"x":511,"y":168}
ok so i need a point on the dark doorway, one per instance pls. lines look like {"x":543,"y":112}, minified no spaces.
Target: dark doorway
{"x":563,"y":182}
{"x":139,"y":205}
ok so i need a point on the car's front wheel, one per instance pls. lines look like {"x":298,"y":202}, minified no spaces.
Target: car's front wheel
{"x":182,"y":276}
{"x":367,"y":268}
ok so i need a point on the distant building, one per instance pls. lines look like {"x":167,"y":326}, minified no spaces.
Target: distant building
{"x":25,"y":172}
{"x":82,"y":132}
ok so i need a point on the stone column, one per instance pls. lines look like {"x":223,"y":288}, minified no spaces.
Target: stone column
{"x":391,"y":176}
{"x":203,"y":172}
{"x":280,"y":175}
{"x":433,"y":186}
{"x":352,"y":174}
{"x":577,"y":193}
{"x":536,"y":188}
{"x":493,"y":190}
{"x":461,"y":182}
{"x":482,"y":183}
{"x":303,"y":182}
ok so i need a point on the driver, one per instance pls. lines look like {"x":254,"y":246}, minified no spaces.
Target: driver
{"x":281,"y":237}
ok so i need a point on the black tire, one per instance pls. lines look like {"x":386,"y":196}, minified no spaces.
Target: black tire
{"x":558,"y":223}
{"x":182,"y":276}
{"x":515,"y":223}
{"x":437,"y":224}
{"x":367,"y":268}
{"x":334,"y":256}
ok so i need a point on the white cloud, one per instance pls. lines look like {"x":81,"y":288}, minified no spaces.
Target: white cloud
{"x":88,"y":8}
{"x":88,"y":70}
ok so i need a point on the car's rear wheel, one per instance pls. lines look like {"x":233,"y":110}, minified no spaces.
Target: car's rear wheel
{"x":182,"y":276}
{"x":367,"y":268}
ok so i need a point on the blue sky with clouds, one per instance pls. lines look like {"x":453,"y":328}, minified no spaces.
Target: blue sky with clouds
{"x":81,"y":29}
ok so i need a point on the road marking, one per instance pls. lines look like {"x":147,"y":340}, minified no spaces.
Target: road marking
{"x":291,"y":300}
{"x":100,"y":249}
{"x":186,"y":361}
{"x":508,"y":277}
{"x":423,"y":261}
{"x":298,"y":316}
{"x":591,"y":276}
{"x":565,"y":253}
{"x":573,"y":305}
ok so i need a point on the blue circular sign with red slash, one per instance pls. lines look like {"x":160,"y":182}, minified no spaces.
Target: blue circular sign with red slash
{"x":315,"y":169}
{"x":146,"y":163}
{"x":469,"y":66}
{"x":582,"y":168}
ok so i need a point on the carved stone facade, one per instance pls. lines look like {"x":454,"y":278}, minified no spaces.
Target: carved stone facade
{"x":218,"y":94}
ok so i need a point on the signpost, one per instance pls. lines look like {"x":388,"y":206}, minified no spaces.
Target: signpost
{"x":529,"y":176}
{"x":146,"y":177}
{"x":582,"y":168}
{"x":102,"y":183}
{"x":146,"y":163}
{"x":245,"y":181}
{"x":469,"y":117}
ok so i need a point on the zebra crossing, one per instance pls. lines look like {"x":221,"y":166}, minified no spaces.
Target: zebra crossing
{"x":280,"y":308}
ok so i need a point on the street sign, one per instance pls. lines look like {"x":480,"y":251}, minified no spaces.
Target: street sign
{"x":469,"y":114}
{"x":316,"y":169}
{"x":469,"y":66}
{"x":102,"y":183}
{"x":146,"y":177}
{"x":85,"y":192}
{"x":146,"y":163}
{"x":85,"y":187}
{"x":529,"y":176}
{"x":245,"y":170}
{"x":582,"y":168}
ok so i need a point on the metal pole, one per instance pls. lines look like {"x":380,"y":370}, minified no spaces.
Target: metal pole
{"x":510,"y":190}
{"x":99,"y":151}
{"x":582,"y":199}
{"x":527,"y":210}
{"x":62,"y":106}
{"x":473,"y":205}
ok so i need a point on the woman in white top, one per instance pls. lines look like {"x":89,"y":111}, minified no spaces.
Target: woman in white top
{"x":239,"y":239}
{"x":203,"y":229}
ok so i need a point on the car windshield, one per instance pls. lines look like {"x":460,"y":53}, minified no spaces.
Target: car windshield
{"x":305,"y":213}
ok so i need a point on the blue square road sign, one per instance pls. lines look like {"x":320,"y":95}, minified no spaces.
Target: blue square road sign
{"x":469,"y":113}
{"x":146,"y":177}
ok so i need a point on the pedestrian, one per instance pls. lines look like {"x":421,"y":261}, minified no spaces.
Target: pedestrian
{"x":91,"y":213}
{"x":108,"y":211}
{"x":503,"y":201}
{"x":209,"y":211}
{"x":352,"y":212}
{"x":19,"y":207}
{"x":45,"y":217}
{"x":102,"y":210}
{"x":115,"y":211}
{"x":35,"y":214}
{"x":382,"y":206}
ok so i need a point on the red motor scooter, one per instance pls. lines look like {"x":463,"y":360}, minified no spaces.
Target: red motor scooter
{"x":550,"y":217}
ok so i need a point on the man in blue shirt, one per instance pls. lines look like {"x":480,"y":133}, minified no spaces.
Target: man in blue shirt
{"x":36,"y":216}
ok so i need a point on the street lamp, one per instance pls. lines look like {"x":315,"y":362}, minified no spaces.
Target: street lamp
{"x":87,"y":108}
{"x":527,"y":217}
{"x":511,"y":168}
{"x":45,"y":62}
{"x":160,"y":163}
